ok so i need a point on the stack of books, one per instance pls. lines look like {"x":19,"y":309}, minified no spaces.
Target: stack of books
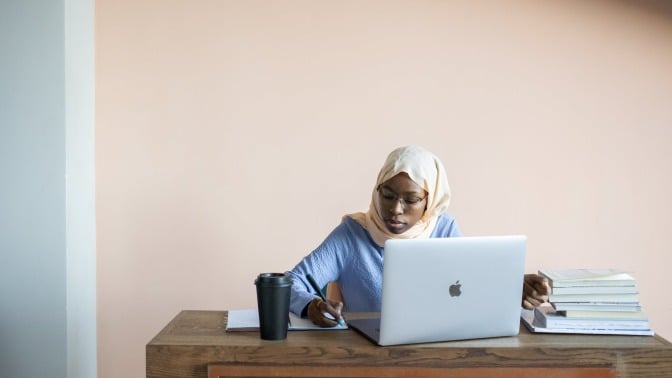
{"x":601,"y":301}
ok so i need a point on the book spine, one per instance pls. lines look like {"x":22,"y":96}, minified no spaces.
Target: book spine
{"x":556,"y":321}
{"x":598,"y":325}
{"x":594,"y":290}
{"x":598,"y":306}
{"x":581,"y":283}
{"x":616,"y":315}
{"x":584,"y":298}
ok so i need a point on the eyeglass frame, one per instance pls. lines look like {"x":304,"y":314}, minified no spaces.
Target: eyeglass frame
{"x":396,"y":197}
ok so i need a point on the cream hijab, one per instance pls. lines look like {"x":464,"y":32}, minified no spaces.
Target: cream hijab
{"x":424,"y":169}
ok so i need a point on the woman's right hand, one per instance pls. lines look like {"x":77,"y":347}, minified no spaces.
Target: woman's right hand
{"x":318,"y":308}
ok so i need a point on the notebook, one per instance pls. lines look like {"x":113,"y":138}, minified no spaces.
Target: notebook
{"x":445,"y":289}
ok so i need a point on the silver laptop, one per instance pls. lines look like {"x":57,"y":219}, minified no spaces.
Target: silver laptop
{"x":446,"y":289}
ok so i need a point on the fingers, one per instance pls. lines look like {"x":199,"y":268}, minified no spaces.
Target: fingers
{"x":546,"y":287}
{"x":531,"y":302}
{"x":538,"y":283}
{"x":535,"y":291}
{"x":532,"y":298}
{"x":317,"y":310}
{"x":333,"y":308}
{"x":535,"y":297}
{"x":542,"y":287}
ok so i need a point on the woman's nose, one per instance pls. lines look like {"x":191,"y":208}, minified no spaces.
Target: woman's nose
{"x":397,"y":207}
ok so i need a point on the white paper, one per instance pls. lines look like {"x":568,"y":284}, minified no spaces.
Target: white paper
{"x":248,"y":320}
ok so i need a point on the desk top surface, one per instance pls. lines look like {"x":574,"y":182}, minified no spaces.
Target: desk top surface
{"x":208,"y":328}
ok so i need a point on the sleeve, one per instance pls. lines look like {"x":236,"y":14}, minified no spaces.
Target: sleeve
{"x":324,"y":264}
{"x":446,"y":227}
{"x":453,"y":229}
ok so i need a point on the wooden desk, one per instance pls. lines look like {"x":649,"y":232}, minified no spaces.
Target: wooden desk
{"x":195,"y":343}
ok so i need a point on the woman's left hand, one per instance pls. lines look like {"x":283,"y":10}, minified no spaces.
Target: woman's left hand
{"x":535,"y":290}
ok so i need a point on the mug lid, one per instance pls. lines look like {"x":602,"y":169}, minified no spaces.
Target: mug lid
{"x":273,"y":278}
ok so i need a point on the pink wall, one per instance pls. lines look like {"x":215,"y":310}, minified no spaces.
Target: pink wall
{"x":231,"y":136}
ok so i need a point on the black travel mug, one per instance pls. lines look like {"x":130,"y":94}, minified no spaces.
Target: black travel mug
{"x":273,"y":292}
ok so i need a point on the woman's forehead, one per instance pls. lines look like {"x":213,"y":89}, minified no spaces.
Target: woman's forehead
{"x":402,"y":182}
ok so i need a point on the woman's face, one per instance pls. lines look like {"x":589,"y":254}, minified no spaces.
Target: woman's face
{"x":402,"y":203}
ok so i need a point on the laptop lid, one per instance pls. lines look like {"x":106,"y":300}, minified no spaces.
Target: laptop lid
{"x":446,"y":289}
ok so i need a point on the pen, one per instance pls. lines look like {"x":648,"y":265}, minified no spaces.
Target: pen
{"x":316,"y":287}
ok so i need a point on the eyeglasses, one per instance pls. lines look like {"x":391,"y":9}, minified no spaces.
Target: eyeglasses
{"x":391,"y":197}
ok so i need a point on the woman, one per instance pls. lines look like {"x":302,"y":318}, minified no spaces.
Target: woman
{"x":409,"y":200}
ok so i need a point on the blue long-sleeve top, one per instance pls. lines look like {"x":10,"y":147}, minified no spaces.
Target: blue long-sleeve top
{"x":351,"y":258}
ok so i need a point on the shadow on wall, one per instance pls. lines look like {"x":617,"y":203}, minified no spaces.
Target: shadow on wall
{"x":661,"y":8}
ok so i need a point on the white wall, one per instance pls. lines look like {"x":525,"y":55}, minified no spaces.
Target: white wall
{"x":32,"y":212}
{"x":47,"y":249}
{"x":80,"y":190}
{"x":231,"y":136}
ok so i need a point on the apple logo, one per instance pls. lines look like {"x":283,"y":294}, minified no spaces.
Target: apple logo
{"x":455,"y":289}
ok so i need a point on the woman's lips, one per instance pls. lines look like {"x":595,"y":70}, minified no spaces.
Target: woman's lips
{"x":393,"y":225}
